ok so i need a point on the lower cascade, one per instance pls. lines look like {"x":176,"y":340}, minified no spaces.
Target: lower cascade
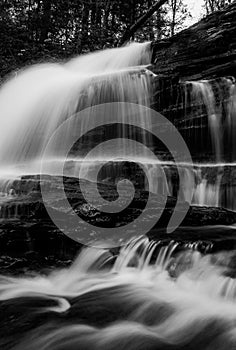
{"x":148,"y":296}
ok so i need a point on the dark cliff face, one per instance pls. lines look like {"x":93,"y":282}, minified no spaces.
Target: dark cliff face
{"x":196,"y":72}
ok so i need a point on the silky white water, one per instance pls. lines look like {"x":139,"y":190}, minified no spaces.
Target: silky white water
{"x":41,"y":97}
{"x":147,"y":297}
{"x":215,"y":99}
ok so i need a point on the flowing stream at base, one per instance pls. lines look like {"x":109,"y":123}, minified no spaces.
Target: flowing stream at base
{"x":149,"y":296}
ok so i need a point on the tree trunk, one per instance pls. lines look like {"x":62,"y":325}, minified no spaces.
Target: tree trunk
{"x":84,"y":27}
{"x":141,"y":21}
{"x":173,"y":7}
{"x":45,"y":22}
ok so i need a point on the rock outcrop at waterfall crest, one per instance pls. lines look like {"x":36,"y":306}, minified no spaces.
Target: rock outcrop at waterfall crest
{"x":205,"y":50}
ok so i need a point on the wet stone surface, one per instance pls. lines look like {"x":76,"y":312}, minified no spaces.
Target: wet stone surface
{"x":30,"y":241}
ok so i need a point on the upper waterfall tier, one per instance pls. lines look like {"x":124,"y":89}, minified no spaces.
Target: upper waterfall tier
{"x":42,"y":97}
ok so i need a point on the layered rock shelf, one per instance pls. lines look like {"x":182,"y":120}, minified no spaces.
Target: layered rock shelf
{"x":205,"y":50}
{"x":29,"y":239}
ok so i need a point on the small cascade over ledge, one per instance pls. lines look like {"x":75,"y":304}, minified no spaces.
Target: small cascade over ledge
{"x":166,"y":296}
{"x":204,"y":111}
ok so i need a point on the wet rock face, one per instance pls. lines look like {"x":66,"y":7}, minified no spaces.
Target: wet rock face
{"x":195,"y":89}
{"x":204,"y":52}
{"x":201,"y":110}
{"x":29,"y":240}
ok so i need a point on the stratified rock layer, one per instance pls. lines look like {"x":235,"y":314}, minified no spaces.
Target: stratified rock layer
{"x":205,"y":50}
{"x":30,"y":241}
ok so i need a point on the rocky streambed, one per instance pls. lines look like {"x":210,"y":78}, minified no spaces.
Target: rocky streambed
{"x":30,"y":241}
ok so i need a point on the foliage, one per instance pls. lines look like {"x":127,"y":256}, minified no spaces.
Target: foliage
{"x":34,"y":30}
{"x":177,"y":13}
{"x":215,"y":5}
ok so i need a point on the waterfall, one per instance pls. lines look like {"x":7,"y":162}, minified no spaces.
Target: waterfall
{"x":231,"y":119}
{"x":215,"y":99}
{"x":202,"y":94}
{"x":41,"y":97}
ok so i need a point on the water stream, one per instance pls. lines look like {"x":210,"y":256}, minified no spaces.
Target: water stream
{"x":150,"y":296}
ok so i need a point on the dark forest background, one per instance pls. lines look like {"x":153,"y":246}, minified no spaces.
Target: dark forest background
{"x":33,"y":31}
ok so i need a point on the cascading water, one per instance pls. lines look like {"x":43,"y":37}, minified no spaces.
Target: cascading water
{"x":202,"y":94}
{"x":40,"y":98}
{"x":148,"y":297}
{"x":46,"y":95}
{"x":218,"y":101}
{"x":214,"y":100}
